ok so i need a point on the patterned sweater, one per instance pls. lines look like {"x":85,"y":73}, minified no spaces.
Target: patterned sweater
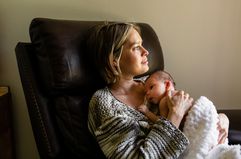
{"x":124,"y":133}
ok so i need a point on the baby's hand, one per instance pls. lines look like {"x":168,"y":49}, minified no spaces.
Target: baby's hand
{"x":143,"y":108}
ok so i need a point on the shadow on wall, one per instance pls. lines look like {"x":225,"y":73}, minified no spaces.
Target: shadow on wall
{"x":17,"y":22}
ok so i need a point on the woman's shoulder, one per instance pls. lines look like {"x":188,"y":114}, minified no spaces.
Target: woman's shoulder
{"x":102,"y":97}
{"x":100,"y":93}
{"x":102,"y":103}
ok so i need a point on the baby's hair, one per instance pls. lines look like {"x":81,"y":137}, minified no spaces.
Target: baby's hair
{"x":163,"y":75}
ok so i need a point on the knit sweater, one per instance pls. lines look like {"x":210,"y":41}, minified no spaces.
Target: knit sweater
{"x":124,"y":133}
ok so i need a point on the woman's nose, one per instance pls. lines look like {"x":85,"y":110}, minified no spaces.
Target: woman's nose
{"x":145,"y":52}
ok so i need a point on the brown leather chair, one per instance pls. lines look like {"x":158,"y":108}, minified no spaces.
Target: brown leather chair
{"x":58,"y":79}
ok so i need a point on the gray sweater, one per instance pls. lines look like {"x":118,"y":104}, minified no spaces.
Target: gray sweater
{"x":123,"y":132}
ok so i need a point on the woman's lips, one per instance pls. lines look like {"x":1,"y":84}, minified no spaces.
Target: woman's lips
{"x":145,"y":62}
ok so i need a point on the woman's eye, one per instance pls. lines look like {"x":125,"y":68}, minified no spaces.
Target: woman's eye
{"x":151,"y":87}
{"x":137,"y":48}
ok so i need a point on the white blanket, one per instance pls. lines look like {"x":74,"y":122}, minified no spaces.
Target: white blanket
{"x":200,"y":128}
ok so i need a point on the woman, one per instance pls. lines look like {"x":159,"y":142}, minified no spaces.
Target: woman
{"x":121,"y":130}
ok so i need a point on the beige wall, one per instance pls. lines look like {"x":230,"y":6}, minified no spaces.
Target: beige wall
{"x":201,"y":40}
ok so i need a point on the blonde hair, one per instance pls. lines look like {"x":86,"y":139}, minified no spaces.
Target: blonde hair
{"x":107,"y":43}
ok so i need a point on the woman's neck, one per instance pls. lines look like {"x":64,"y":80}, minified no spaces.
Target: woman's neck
{"x":122,"y":86}
{"x":129,"y":92}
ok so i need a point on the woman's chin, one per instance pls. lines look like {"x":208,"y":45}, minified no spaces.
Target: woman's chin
{"x":146,"y":69}
{"x":142,"y":71}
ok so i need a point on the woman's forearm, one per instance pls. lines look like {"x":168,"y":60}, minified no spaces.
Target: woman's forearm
{"x":174,"y":118}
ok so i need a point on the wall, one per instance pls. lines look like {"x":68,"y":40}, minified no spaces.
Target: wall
{"x":200,"y":39}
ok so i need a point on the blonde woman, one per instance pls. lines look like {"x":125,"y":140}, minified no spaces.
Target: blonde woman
{"x":119,"y":128}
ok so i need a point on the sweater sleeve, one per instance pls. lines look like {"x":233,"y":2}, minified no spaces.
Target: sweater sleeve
{"x":121,"y":136}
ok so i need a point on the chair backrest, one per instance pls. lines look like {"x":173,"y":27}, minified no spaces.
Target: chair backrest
{"x":59,"y":79}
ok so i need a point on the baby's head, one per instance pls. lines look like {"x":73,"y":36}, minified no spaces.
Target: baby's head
{"x":157,"y":85}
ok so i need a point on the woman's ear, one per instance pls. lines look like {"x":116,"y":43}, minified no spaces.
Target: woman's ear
{"x":115,"y":66}
{"x":114,"y":63}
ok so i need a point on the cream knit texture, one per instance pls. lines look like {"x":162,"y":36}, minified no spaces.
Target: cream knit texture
{"x":200,"y":128}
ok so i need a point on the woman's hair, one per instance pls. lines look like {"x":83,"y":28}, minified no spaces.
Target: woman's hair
{"x":106,"y":43}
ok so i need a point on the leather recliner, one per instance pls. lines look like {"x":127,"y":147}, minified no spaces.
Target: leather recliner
{"x":59,"y":78}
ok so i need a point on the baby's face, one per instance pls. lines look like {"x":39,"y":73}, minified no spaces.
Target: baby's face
{"x":155,"y":90}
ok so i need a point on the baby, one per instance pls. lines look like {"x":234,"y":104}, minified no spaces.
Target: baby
{"x":204,"y":113}
{"x":157,"y":86}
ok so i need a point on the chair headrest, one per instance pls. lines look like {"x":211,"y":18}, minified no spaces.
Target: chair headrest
{"x":62,"y":59}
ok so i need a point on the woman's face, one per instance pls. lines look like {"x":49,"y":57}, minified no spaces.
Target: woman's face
{"x":133,"y":60}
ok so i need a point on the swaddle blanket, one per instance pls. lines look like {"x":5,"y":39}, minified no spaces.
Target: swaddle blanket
{"x":200,"y":128}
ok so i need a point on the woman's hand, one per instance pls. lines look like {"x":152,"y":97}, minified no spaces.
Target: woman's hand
{"x":223,"y":126}
{"x":163,"y":107}
{"x":179,"y":103}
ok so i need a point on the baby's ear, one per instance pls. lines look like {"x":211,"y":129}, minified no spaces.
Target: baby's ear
{"x":169,"y":85}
